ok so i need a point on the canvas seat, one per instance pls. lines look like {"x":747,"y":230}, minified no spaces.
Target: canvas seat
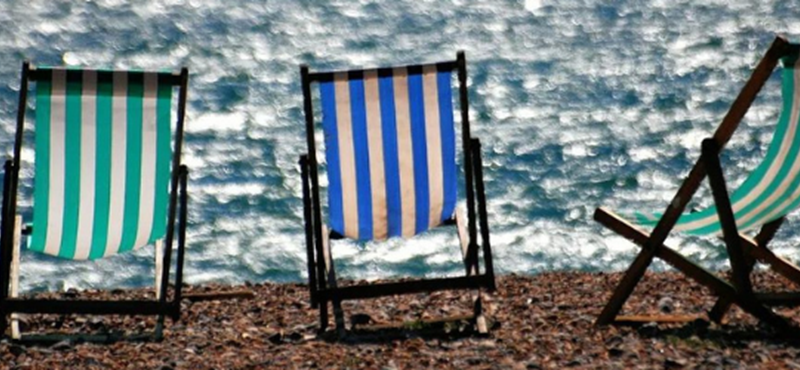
{"x":761,"y":202}
{"x":107,"y":180}
{"x":390,"y":145}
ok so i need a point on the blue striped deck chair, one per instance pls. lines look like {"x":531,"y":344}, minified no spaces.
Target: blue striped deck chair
{"x":760,"y":203}
{"x":390,"y":145}
{"x":107,"y":180}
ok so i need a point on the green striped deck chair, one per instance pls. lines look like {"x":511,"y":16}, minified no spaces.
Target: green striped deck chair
{"x":107,"y":180}
{"x":761,"y":202}
{"x":390,"y":146}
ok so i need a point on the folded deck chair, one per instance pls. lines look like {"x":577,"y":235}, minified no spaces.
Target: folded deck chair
{"x":760,"y":203}
{"x":390,"y":144}
{"x":107,"y":180}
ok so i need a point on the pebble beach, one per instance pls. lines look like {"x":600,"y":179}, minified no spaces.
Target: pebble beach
{"x":536,"y":322}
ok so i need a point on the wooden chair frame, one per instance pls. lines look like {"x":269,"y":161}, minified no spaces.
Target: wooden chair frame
{"x":321,"y":271}
{"x":742,"y":250}
{"x":159,"y":307}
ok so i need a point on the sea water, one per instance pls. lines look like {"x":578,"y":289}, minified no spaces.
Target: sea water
{"x":578,"y":104}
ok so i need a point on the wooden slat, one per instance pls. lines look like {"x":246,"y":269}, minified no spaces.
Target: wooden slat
{"x":638,"y":236}
{"x":662,"y":319}
{"x":718,"y":286}
{"x":760,"y":75}
{"x":54,"y":306}
{"x":406,"y":287}
{"x":15,"y":332}
{"x":740,"y":269}
{"x":763,"y":238}
{"x":779,"y":298}
{"x":216,"y":296}
{"x":477,"y":161}
{"x":780,"y":265}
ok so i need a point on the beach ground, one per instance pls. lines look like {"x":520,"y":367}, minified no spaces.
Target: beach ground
{"x":537,"y":322}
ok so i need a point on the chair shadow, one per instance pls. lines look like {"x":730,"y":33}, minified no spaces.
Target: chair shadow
{"x":725,"y":336}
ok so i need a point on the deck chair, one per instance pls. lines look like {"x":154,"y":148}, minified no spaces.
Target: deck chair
{"x":390,"y":145}
{"x":760,"y":203}
{"x":107,"y":180}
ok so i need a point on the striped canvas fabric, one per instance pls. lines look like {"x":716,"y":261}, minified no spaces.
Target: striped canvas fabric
{"x":390,"y":146}
{"x":102,"y":162}
{"x":773,"y":189}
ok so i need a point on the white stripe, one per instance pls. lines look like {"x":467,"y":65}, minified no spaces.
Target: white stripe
{"x":377,"y":172}
{"x":434,"y":145}
{"x":88,"y":153}
{"x":119,"y":120}
{"x":405,"y":153}
{"x":55,"y":206}
{"x":347,"y":159}
{"x":147,"y":195}
{"x":751,"y":196}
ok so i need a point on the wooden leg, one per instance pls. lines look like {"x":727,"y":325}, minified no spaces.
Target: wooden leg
{"x":463,"y":238}
{"x":634,"y":272}
{"x":741,"y":274}
{"x":159,"y":262}
{"x":480,"y":192}
{"x":480,"y":318}
{"x":322,"y":263}
{"x":159,"y":269}
{"x":626,"y":286}
{"x":15,"y":332}
{"x":309,"y":229}
{"x":338,"y":314}
{"x":704,"y":277}
{"x":6,"y":233}
{"x":757,"y":250}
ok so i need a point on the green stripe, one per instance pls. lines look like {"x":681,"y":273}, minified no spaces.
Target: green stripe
{"x":41,"y":190}
{"x":758,"y":174}
{"x":102,"y":174}
{"x":788,"y":104}
{"x":72,"y":169}
{"x":755,"y":177}
{"x":745,"y":188}
{"x":133,"y":162}
{"x":163,"y":159}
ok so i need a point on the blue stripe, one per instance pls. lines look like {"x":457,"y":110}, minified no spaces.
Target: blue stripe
{"x":391,"y":164}
{"x":358,"y":115}
{"x":419,"y":147}
{"x":328,"y":98}
{"x":448,"y":134}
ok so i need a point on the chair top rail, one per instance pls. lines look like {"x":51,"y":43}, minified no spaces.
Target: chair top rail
{"x":39,"y":73}
{"x":328,"y":76}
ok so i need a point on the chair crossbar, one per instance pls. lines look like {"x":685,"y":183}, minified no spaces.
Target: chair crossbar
{"x":88,"y":307}
{"x":406,"y":287}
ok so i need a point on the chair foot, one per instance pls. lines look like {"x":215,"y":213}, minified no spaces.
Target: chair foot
{"x":717,"y":313}
{"x":3,"y":324}
{"x":338,"y":315}
{"x":480,"y":318}
{"x":323,"y":316}
{"x":158,"y":333}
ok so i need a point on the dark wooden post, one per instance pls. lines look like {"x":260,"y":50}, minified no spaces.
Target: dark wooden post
{"x":315,"y":203}
{"x":472,"y":251}
{"x":727,"y":220}
{"x":309,"y":228}
{"x":183,"y":219}
{"x":481,"y":192}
